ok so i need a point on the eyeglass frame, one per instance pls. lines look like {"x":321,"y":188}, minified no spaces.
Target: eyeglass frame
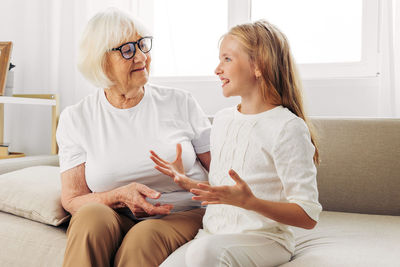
{"x":134,"y":46}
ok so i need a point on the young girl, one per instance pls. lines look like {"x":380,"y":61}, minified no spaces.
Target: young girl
{"x":262,"y":176}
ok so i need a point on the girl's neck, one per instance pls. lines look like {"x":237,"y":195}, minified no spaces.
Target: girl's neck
{"x":254,"y":105}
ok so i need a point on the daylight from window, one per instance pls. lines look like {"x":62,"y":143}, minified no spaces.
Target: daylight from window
{"x":186,"y":35}
{"x":326,"y":31}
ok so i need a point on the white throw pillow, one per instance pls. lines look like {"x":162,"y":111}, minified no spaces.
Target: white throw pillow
{"x":33,"y":193}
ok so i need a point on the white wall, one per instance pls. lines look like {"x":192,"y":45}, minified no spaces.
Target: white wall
{"x":330,"y":97}
{"x":28,"y":128}
{"x":44,"y":53}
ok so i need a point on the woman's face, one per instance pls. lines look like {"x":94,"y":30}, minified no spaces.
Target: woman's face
{"x":128,"y":74}
{"x":235,"y":70}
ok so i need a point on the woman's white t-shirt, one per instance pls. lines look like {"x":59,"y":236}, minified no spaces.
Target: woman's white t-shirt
{"x":114,"y":143}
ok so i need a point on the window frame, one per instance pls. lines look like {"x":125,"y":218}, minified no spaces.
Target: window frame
{"x":368,"y":66}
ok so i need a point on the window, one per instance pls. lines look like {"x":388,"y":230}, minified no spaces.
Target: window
{"x":186,"y":35}
{"x":329,"y":38}
{"x":323,"y":32}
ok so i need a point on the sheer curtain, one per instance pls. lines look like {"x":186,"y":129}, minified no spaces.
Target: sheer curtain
{"x":396,"y":61}
{"x":389,"y":91}
{"x":45,"y":34}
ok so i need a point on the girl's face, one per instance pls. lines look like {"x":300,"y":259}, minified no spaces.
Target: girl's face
{"x":235,"y":69}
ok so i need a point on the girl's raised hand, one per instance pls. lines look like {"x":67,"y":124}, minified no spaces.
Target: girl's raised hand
{"x":173,"y":169}
{"x":237,"y":195}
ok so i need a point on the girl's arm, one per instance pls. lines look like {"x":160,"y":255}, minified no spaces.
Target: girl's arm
{"x":286,"y":213}
{"x":240,"y":195}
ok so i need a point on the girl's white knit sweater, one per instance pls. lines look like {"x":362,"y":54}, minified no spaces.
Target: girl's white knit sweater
{"x":273,"y":153}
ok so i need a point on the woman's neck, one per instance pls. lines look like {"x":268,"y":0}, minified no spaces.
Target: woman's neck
{"x":124,"y":100}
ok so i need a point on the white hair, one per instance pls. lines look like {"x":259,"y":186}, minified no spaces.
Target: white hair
{"x":104,"y":31}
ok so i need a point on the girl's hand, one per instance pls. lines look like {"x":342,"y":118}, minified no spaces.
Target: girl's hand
{"x":174,"y":169}
{"x":239,"y":195}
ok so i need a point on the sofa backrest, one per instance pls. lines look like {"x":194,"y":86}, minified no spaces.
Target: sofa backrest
{"x":360,"y":165}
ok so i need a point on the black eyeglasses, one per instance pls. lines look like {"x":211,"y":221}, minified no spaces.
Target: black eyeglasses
{"x":128,"y":50}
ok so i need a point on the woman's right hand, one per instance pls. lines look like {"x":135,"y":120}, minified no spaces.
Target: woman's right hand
{"x":75,"y":193}
{"x":174,"y":169}
{"x":134,"y":195}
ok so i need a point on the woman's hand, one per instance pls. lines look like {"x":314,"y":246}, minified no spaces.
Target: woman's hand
{"x":75,"y":193}
{"x":134,"y":195}
{"x":239,"y":195}
{"x":174,"y":169}
{"x":140,"y":213}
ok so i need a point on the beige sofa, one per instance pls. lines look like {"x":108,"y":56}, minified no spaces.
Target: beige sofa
{"x":359,"y":185}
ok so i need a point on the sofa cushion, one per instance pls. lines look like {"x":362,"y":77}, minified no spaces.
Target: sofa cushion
{"x":359,"y":170}
{"x":33,"y":193}
{"x":9,"y":165}
{"x":348,"y":239}
{"x":27,"y":243}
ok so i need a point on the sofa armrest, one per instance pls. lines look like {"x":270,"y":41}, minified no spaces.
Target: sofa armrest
{"x":9,"y":165}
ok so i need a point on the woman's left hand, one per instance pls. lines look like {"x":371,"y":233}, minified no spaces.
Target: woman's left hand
{"x":237,"y":195}
{"x":173,"y":169}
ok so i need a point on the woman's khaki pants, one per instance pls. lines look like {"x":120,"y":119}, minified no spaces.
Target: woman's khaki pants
{"x":98,"y":236}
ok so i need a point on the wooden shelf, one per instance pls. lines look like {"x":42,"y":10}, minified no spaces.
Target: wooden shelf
{"x":12,"y":155}
{"x":27,"y":101}
{"x":33,"y":99}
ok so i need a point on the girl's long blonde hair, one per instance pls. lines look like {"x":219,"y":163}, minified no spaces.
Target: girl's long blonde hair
{"x":268,"y":48}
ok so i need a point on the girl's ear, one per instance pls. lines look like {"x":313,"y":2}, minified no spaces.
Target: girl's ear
{"x":257,"y":72}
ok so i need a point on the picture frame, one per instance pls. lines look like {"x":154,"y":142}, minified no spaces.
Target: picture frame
{"x":5,"y":55}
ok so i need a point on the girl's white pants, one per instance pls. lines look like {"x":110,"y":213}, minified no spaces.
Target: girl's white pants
{"x":229,"y":250}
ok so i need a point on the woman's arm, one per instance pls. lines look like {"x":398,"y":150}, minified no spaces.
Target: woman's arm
{"x":240,"y":195}
{"x":75,"y":193}
{"x":205,"y":159}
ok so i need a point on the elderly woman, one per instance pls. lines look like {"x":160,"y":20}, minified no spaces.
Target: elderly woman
{"x":125,"y":212}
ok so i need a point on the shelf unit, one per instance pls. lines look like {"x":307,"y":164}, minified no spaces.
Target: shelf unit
{"x":33,"y":99}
